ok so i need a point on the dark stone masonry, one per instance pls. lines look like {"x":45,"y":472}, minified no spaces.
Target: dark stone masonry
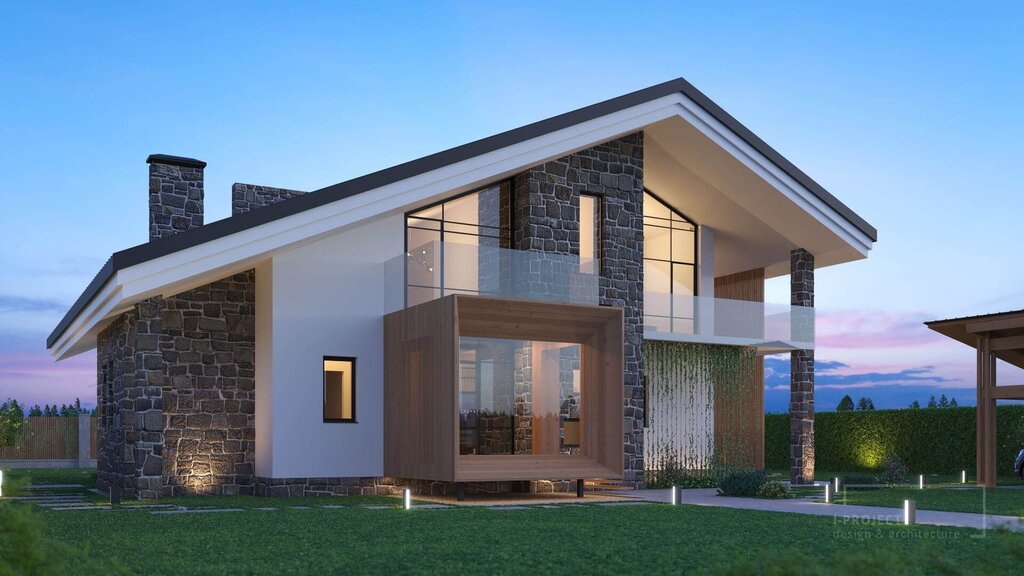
{"x":546,"y":201}
{"x":801,"y":394}
{"x":175,"y":195}
{"x":176,"y":393}
{"x":248,"y":197}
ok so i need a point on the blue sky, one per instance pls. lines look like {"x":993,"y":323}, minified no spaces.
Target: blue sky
{"x":910,"y":114}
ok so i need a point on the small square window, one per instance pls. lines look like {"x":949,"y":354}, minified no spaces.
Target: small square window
{"x":339,"y":389}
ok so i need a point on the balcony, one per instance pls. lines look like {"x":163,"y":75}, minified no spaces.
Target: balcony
{"x":703,"y":319}
{"x":439,"y":269}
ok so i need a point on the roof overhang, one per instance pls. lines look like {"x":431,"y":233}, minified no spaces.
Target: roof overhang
{"x":1005,"y":331}
{"x":193,"y":258}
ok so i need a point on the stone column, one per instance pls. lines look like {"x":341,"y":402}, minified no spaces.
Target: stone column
{"x":801,"y":387}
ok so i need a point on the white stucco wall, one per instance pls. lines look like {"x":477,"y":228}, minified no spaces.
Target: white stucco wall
{"x":327,"y":299}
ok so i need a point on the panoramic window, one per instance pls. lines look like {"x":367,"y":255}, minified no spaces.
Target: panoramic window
{"x":339,"y":389}
{"x":450,"y":245}
{"x":670,"y":258}
{"x":590,"y":234}
{"x":519,"y":397}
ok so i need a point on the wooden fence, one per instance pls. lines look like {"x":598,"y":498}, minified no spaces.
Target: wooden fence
{"x":50,"y":438}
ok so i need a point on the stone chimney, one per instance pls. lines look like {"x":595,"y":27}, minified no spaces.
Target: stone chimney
{"x":175,"y":195}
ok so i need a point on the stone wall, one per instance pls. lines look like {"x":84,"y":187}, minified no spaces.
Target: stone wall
{"x":546,"y":208}
{"x":175,"y":392}
{"x":801,"y":396}
{"x":248,"y":197}
{"x":115,"y":373}
{"x":208,"y":345}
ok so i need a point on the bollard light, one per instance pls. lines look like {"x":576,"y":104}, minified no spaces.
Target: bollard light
{"x":1,"y":483}
{"x":407,"y":499}
{"x":963,"y":476}
{"x":835,"y":485}
{"x":828,"y":493}
{"x":920,"y":482}
{"x":675,"y":495}
{"x":909,"y":512}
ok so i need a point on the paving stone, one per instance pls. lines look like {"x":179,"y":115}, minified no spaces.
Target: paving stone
{"x":334,"y":507}
{"x":508,"y":507}
{"x":266,"y":508}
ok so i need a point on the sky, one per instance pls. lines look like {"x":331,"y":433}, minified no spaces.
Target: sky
{"x":910,"y":113}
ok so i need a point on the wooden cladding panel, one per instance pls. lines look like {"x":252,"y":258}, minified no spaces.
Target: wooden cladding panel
{"x":741,"y":419}
{"x":420,"y":386}
{"x":747,"y":286}
{"x":532,"y":467}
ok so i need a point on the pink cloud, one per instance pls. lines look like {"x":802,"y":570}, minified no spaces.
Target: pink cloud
{"x":859,"y":329}
{"x":35,"y":379}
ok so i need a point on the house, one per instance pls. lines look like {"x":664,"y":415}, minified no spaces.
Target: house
{"x":579,"y":298}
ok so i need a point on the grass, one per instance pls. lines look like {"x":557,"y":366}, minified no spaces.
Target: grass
{"x":654,"y":539}
{"x":1002,"y":501}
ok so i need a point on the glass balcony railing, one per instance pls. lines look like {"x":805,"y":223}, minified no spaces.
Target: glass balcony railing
{"x":705,"y":319}
{"x":438,"y":269}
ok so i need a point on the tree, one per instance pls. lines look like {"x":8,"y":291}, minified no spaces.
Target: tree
{"x":943,"y":402}
{"x":845,"y":404}
{"x":952,"y":403}
{"x":932,"y":403}
{"x":865,"y":403}
{"x":915,"y":405}
{"x":35,"y":411}
{"x":12,"y":421}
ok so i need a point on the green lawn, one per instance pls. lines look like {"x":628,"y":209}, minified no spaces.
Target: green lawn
{"x":644,"y":539}
{"x":1004,"y":501}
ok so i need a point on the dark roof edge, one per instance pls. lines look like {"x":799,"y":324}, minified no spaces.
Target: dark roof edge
{"x":333,"y":193}
{"x":975,"y":317}
{"x":175,"y":161}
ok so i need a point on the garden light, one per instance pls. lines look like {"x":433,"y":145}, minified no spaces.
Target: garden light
{"x":835,"y":487}
{"x":963,"y":476}
{"x":407,"y":499}
{"x":1,"y":483}
{"x":828,"y":493}
{"x":920,"y":482}
{"x":675,"y":495}
{"x":909,"y":512}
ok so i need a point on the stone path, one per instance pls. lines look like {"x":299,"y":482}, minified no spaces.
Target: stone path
{"x":844,"y":512}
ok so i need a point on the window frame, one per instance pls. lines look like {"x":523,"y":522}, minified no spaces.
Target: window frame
{"x":504,"y":229}
{"x":672,"y":262}
{"x":352,"y":360}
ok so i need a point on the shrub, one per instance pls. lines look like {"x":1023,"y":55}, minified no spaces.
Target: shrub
{"x":741,"y":483}
{"x":895,"y":470}
{"x":773,"y":490}
{"x":931,"y":441}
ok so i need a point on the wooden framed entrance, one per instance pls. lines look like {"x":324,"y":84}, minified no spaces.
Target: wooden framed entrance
{"x":995,"y":337}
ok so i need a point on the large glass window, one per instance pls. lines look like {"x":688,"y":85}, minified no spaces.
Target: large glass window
{"x":519,"y":397}
{"x":475,"y":220}
{"x":670,"y":258}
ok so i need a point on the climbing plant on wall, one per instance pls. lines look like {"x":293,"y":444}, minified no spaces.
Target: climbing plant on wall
{"x":698,"y":397}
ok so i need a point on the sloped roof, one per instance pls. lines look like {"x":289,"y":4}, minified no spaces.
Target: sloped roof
{"x":221,"y":228}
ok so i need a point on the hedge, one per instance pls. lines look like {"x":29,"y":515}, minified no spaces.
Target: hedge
{"x":928,"y":440}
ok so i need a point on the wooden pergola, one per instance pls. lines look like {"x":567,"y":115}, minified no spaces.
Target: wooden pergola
{"x":995,"y":336}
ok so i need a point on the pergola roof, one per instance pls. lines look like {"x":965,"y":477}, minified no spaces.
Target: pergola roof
{"x":1004,"y":329}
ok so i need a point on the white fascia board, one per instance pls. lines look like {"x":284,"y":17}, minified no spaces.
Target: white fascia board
{"x":79,"y":335}
{"x":772,"y":174}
